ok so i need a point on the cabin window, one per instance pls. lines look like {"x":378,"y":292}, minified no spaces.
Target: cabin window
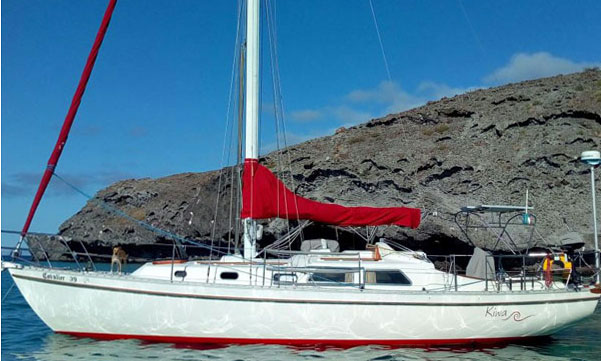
{"x":180,"y":274}
{"x":334,"y":277}
{"x":284,"y":278}
{"x":393,"y":277}
{"x":229,"y":275}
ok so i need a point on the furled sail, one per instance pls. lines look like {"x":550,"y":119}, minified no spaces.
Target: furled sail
{"x":62,"y":137}
{"x":265,"y":196}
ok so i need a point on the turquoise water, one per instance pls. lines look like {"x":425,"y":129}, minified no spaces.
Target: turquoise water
{"x":25,"y":337}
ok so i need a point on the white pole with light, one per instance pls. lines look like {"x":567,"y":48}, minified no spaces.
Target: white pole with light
{"x":593,"y":158}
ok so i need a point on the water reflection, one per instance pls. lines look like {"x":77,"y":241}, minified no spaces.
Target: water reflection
{"x":58,"y":347}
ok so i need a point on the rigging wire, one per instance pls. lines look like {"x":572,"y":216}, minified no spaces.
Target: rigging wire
{"x":476,"y":38}
{"x":7,"y":292}
{"x":228,"y":124}
{"x":413,"y":180}
{"x":112,"y":209}
{"x":373,"y":14}
{"x":471,"y":26}
{"x":276,"y":108}
{"x":235,"y":170}
{"x":150,"y":227}
{"x":238,"y":188}
{"x":279,"y":102}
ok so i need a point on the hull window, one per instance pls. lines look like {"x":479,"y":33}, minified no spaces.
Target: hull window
{"x":332,"y":277}
{"x":386,"y":277}
{"x":284,"y":278}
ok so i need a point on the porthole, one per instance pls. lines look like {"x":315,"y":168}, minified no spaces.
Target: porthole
{"x":180,"y":274}
{"x":229,"y":275}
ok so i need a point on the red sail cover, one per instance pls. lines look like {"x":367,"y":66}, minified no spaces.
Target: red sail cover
{"x":265,"y":196}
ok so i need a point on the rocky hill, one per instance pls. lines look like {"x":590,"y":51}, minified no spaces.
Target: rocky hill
{"x":483,"y":147}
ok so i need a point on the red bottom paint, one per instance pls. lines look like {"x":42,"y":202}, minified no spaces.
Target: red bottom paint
{"x":306,"y":342}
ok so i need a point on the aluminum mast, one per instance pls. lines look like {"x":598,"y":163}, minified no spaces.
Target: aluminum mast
{"x":252,"y":111}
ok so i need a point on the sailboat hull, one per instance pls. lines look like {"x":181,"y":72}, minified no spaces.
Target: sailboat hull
{"x":111,"y":306}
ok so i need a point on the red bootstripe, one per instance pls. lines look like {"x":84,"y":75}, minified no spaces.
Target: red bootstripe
{"x":302,"y":342}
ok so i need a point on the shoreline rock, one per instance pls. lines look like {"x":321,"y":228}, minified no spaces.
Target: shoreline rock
{"x":483,"y":147}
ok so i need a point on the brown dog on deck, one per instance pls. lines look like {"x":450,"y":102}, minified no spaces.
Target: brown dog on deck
{"x":119,"y":257}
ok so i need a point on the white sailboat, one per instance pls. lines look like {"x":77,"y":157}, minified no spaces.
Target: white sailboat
{"x":375,"y":296}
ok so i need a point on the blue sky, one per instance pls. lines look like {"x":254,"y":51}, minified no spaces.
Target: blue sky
{"x":157,"y":100}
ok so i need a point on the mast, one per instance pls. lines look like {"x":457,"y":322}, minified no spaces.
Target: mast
{"x":252,"y":111}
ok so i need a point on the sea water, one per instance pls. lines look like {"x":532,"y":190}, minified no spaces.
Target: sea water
{"x":25,"y":337}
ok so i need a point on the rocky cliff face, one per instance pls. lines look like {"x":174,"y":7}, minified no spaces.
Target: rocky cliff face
{"x":483,"y":147}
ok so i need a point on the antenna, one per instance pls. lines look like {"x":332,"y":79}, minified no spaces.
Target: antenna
{"x":526,"y":217}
